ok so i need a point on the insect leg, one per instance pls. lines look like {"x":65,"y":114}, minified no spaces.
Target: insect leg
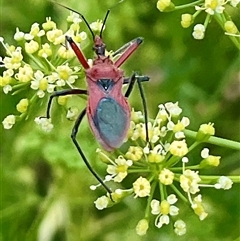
{"x":73,"y":136}
{"x":124,"y":47}
{"x":62,"y":93}
{"x":127,"y":50}
{"x":82,"y":59}
{"x":131,"y":82}
{"x":142,"y":78}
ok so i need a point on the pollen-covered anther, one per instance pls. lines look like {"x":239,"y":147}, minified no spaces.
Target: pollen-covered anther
{"x":141,"y":187}
{"x":178,"y":148}
{"x":134,"y":153}
{"x":189,"y":181}
{"x":166,"y":177}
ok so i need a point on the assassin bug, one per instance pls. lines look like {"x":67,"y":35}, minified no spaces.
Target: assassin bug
{"x":107,"y":108}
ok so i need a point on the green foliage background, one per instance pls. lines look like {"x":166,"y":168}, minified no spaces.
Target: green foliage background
{"x":40,"y":169}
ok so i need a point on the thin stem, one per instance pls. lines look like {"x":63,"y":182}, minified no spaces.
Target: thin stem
{"x":175,"y":189}
{"x":147,"y":211}
{"x":221,"y":19}
{"x":216,"y":140}
{"x":193,"y":4}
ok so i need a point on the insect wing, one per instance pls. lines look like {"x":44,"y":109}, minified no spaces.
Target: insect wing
{"x":110,"y":123}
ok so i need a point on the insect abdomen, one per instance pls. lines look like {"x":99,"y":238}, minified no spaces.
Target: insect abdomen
{"x":111,"y":121}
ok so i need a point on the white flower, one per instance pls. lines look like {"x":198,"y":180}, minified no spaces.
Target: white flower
{"x":118,"y":170}
{"x":205,"y":153}
{"x":97,"y":26}
{"x":9,"y":121}
{"x":234,"y":3}
{"x":101,"y":202}
{"x":189,"y":181}
{"x":180,"y":227}
{"x":45,"y":123}
{"x":224,"y":183}
{"x":18,"y":36}
{"x":141,"y":187}
{"x":198,"y":31}
{"x":164,"y":209}
{"x":7,"y":88}
{"x":212,"y":6}
{"x":72,"y":113}
{"x":166,"y":177}
{"x":198,"y":207}
{"x":41,"y":84}
{"x":173,"y":108}
{"x":74,"y":18}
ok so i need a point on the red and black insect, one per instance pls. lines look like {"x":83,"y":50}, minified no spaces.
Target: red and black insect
{"x":108,"y":110}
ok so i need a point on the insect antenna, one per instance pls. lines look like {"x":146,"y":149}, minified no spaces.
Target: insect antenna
{"x":83,"y":18}
{"x":104,"y":22}
{"x":106,"y":16}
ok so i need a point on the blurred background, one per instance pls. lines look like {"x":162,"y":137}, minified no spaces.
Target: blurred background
{"x":44,"y":183}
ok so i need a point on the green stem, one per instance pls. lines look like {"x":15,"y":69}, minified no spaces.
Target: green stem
{"x":216,"y":140}
{"x":147,"y":211}
{"x":235,"y":179}
{"x":195,"y":167}
{"x":193,"y":4}
{"x":36,"y":61}
{"x":179,"y":193}
{"x":221,"y":19}
{"x":137,"y":170}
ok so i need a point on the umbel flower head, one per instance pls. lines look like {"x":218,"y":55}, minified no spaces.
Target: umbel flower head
{"x":160,"y":171}
{"x":219,"y":10}
{"x":40,"y":63}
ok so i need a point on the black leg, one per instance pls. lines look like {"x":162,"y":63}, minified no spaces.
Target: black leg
{"x":62,"y":93}
{"x":131,"y":82}
{"x":142,"y":78}
{"x":73,"y":136}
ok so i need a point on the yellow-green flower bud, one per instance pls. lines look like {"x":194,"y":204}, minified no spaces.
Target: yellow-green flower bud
{"x":134,"y":153}
{"x":210,"y":161}
{"x":46,"y":51}
{"x":230,"y":27}
{"x":155,"y":157}
{"x":165,"y":5}
{"x":178,"y":148}
{"x":49,"y":24}
{"x":65,"y":53}
{"x":62,"y":100}
{"x":205,"y":131}
{"x":187,"y":20}
{"x":22,"y":106}
{"x":18,"y":36}
{"x":31,"y":47}
{"x":119,"y":194}
{"x":142,"y":227}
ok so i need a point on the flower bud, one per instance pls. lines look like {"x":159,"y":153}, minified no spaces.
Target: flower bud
{"x":205,"y":131}
{"x":22,"y":106}
{"x":210,"y":161}
{"x":165,"y":5}
{"x":142,"y":227}
{"x":187,"y":20}
{"x":230,"y":27}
